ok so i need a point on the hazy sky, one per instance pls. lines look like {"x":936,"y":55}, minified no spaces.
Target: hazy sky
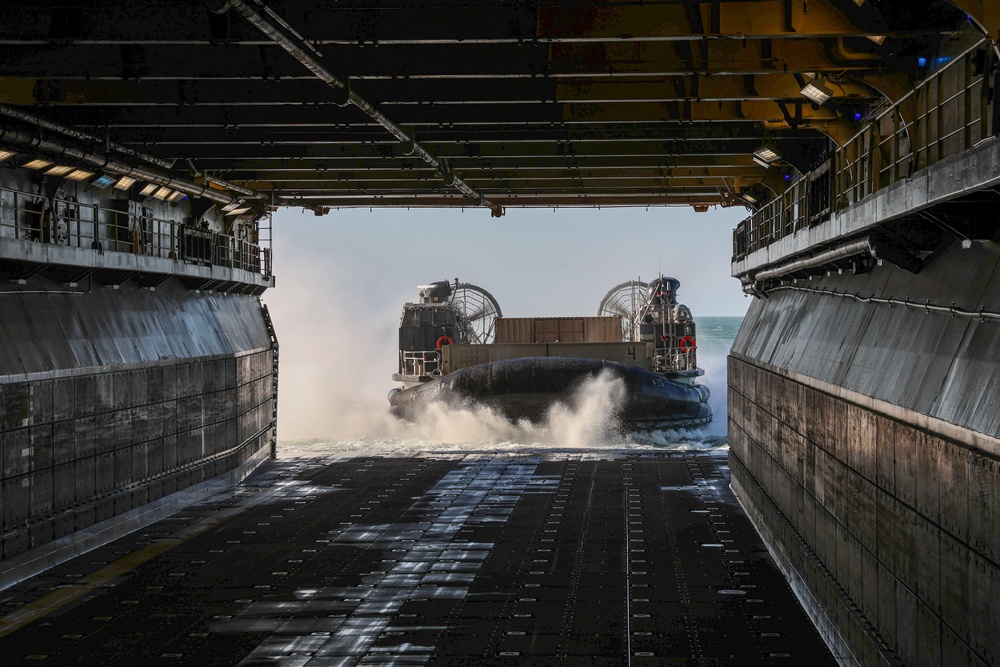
{"x":342,"y":279}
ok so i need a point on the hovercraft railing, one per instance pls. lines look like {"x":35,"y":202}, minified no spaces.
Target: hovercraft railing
{"x":420,"y":363}
{"x":675,"y":359}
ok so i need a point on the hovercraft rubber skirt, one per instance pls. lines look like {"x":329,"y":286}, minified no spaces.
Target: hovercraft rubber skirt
{"x":526,"y":388}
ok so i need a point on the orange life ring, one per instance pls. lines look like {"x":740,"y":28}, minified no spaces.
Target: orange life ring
{"x":687,"y":343}
{"x":444,"y":340}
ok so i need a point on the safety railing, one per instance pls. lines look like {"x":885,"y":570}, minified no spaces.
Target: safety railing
{"x":945,"y":114}
{"x":419,"y":362}
{"x":127,"y":227}
{"x":667,"y":359}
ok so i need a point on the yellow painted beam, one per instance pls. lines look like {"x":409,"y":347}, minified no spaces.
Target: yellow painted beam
{"x":778,"y":86}
{"x":622,"y":59}
{"x":666,"y":21}
{"x":986,"y":13}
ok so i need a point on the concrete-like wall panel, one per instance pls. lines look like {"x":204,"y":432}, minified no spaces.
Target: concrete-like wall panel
{"x":45,"y":332}
{"x":892,"y":528}
{"x":169,"y":389}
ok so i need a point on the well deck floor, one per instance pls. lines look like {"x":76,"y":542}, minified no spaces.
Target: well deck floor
{"x":563,"y":558}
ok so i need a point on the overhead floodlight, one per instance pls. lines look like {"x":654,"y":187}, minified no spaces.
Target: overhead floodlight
{"x":878,"y":39}
{"x":79,"y":175}
{"x":148,"y":190}
{"x":6,"y":154}
{"x":231,"y":205}
{"x":37,"y":164}
{"x":58,"y":170}
{"x":124,"y":183}
{"x":102,"y":181}
{"x":163,"y":193}
{"x":239,"y":211}
{"x":177,"y":194}
{"x":748,"y":198}
{"x":859,"y":2}
{"x":816,"y":92}
{"x":763,"y":163}
{"x":767,"y":154}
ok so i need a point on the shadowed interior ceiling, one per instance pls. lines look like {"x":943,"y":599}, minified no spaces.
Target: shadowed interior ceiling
{"x":485,"y":102}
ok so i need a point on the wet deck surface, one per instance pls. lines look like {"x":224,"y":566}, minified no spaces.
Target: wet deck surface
{"x":583,"y":558}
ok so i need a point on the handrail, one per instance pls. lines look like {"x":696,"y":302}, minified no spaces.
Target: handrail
{"x":419,"y":362}
{"x":675,"y":359}
{"x":949,"y":112}
{"x":129,"y":229}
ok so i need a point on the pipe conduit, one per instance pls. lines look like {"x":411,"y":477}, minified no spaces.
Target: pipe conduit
{"x":23,"y":140}
{"x":72,"y":133}
{"x":45,"y":124}
{"x":982,"y":314}
{"x":351,"y":97}
{"x":840,"y":252}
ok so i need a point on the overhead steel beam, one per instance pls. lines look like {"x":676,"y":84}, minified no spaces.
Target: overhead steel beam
{"x":201,"y":61}
{"x":405,"y":137}
{"x":529,"y":173}
{"x":437,"y":116}
{"x":710,"y":198}
{"x":244,"y":170}
{"x":552,"y":137}
{"x":730,"y":87}
{"x":413,"y":22}
{"x":454,"y":152}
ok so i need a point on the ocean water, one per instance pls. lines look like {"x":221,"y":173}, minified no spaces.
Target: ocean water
{"x":585,"y":422}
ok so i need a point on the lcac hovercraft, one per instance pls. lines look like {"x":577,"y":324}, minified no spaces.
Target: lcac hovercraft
{"x":455,"y":344}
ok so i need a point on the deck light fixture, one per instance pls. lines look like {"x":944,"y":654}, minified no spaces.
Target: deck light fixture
{"x":163,"y":193}
{"x":148,"y":190}
{"x":177,"y":195}
{"x":6,"y":154}
{"x":79,"y":175}
{"x":37,"y":164}
{"x":231,"y":205}
{"x":765,"y":155}
{"x":239,"y":211}
{"x":816,"y":91}
{"x":878,"y":39}
{"x":58,"y":170}
{"x":748,"y":198}
{"x":124,"y":183}
{"x":102,"y":181}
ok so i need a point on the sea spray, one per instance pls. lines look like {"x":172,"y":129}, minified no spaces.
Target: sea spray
{"x":355,"y":417}
{"x":588,"y":419}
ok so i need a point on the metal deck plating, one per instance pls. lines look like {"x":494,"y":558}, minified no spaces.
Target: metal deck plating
{"x":595,"y":557}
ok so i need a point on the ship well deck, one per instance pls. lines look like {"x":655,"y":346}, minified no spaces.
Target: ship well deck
{"x":609,"y":557}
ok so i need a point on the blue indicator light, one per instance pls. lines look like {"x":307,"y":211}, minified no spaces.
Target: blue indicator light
{"x":922,"y":62}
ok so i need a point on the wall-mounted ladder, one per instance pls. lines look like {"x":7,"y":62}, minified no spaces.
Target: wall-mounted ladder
{"x":274,"y":379}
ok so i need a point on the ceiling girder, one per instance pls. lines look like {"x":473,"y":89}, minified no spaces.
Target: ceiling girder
{"x":776,"y":86}
{"x":624,"y":151}
{"x":474,"y":22}
{"x":535,"y":102}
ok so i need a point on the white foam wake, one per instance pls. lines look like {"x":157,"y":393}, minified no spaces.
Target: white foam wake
{"x":587,"y":420}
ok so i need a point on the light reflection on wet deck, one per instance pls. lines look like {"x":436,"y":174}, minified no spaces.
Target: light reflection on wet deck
{"x":598,"y":558}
